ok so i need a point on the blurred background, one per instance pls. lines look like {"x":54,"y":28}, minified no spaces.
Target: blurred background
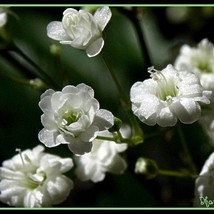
{"x":164,"y":29}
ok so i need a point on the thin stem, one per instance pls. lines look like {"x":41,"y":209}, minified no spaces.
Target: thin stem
{"x":116,"y":138}
{"x":42,"y":74}
{"x":135,"y":20}
{"x":186,"y":150}
{"x":126,"y":104}
{"x":20,"y":81}
{"x":123,"y":96}
{"x":175,"y":173}
{"x":106,"y":138}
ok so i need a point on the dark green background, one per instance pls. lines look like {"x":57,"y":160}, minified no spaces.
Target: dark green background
{"x":20,"y":113}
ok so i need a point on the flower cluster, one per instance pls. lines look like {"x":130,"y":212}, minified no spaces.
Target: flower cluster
{"x":73,"y":117}
{"x":81,"y":30}
{"x":34,"y":178}
{"x":103,"y":158}
{"x":98,"y":140}
{"x":169,"y":95}
{"x":198,"y":60}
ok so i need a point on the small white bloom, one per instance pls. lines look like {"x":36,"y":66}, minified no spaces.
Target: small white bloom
{"x":168,"y":96}
{"x":3,"y":16}
{"x":35,"y":179}
{"x":204,"y":184}
{"x":72,"y":116}
{"x":104,"y":157}
{"x":199,"y":60}
{"x":81,"y":29}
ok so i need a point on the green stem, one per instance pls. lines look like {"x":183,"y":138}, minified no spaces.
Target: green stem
{"x":20,"y":81}
{"x":105,"y":138}
{"x":116,"y":138}
{"x":124,"y":99}
{"x":42,"y":74}
{"x":186,"y":150}
{"x":175,"y":173}
{"x":132,"y":15}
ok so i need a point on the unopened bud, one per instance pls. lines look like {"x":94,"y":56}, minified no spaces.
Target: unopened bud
{"x":38,"y":84}
{"x":117,"y":125}
{"x":55,"y":49}
{"x":146,"y":167}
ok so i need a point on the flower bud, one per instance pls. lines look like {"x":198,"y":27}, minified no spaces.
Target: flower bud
{"x":38,"y":84}
{"x":146,"y":167}
{"x":117,"y":125}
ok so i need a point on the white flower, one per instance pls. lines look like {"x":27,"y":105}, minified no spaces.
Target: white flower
{"x":204,"y":184}
{"x":198,"y":60}
{"x":34,"y":178}
{"x":104,"y":157}
{"x":81,"y":29}
{"x":3,"y":16}
{"x":72,"y":116}
{"x":168,"y":96}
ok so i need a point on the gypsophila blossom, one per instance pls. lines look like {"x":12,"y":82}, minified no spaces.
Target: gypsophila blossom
{"x":168,"y":96}
{"x":3,"y":16}
{"x":104,"y":157}
{"x":81,"y":29}
{"x":204,"y":184}
{"x":73,"y":117}
{"x":34,"y":178}
{"x":199,"y":60}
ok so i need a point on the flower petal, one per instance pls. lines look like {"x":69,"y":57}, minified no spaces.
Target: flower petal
{"x":102,"y":16}
{"x":166,"y":118}
{"x":187,"y":110}
{"x":56,"y":31}
{"x":104,"y":119}
{"x":79,"y":147}
{"x":95,"y":48}
{"x":48,"y":137}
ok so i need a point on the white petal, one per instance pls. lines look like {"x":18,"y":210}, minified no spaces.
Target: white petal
{"x":102,"y":17}
{"x":48,"y":137}
{"x":79,"y":147}
{"x":166,"y":118}
{"x":56,"y":31}
{"x":208,"y":165}
{"x":149,"y":107}
{"x":45,"y":105}
{"x":118,"y":165}
{"x":95,"y":48}
{"x":66,"y":164}
{"x":90,"y":134}
{"x":47,"y":93}
{"x":3,"y":19}
{"x":10,"y":174}
{"x":104,"y":119}
{"x":187,"y":110}
{"x":48,"y":122}
{"x":141,"y":89}
{"x":58,"y":188}
{"x":86,"y":88}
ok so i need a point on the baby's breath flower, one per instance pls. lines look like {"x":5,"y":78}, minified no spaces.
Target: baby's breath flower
{"x":34,"y":178}
{"x":204,"y":184}
{"x":81,"y":29}
{"x":104,"y":157}
{"x":199,"y":60}
{"x":169,"y":95}
{"x":73,"y":117}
